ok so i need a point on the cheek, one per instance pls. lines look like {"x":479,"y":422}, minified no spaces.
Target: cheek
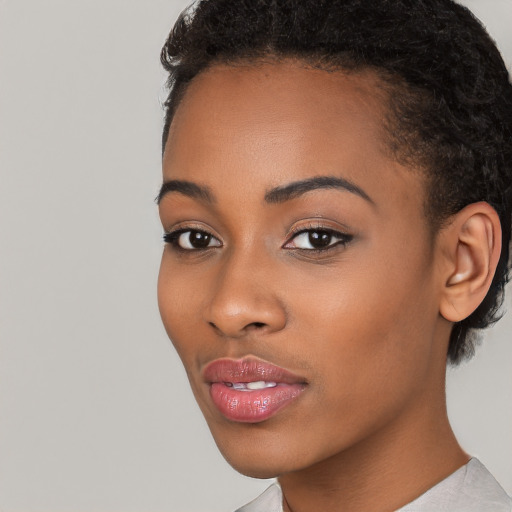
{"x":177,"y":294}
{"x":368,"y":335}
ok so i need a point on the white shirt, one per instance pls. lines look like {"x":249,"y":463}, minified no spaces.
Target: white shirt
{"x":470,"y":489}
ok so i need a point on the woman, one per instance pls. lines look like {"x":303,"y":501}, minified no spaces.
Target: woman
{"x":337,"y":211}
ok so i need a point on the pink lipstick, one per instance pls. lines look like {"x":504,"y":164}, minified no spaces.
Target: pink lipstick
{"x":250,"y":390}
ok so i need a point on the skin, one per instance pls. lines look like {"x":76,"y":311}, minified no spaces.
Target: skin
{"x":362,"y":322}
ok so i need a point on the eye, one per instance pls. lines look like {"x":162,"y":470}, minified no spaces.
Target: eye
{"x":317,"y":239}
{"x":191,"y":239}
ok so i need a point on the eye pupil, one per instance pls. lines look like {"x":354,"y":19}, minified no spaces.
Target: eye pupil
{"x":199,"y":240}
{"x":319,"y":239}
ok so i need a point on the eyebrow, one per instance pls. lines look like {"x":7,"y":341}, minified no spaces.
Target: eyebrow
{"x":276,"y":195}
{"x":187,"y":188}
{"x":298,"y":188}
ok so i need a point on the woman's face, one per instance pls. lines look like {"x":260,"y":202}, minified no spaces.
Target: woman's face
{"x":299,"y":281}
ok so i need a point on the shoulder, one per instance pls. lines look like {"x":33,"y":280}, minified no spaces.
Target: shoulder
{"x":471,"y":488}
{"x":270,"y":501}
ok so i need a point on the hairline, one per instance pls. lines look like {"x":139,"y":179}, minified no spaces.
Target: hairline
{"x":390,"y":83}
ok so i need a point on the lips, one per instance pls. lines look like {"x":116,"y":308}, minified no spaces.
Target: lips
{"x":251,"y":390}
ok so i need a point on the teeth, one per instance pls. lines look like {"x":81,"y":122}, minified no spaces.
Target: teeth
{"x":261,"y":384}
{"x":251,"y":386}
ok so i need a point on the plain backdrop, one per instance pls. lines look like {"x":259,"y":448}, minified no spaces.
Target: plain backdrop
{"x":95,"y":410}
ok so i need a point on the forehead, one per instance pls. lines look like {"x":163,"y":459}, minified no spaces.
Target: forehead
{"x":251,"y":127}
{"x":280,"y":99}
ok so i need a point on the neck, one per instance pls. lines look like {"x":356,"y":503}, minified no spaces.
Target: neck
{"x":384,"y":472}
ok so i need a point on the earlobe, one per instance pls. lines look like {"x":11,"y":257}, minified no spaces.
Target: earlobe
{"x":473,"y":247}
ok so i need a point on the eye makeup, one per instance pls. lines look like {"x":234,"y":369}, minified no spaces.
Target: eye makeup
{"x":312,"y":238}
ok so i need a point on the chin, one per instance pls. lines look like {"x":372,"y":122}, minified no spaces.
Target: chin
{"x":262,"y":472}
{"x":259,"y":456}
{"x":260,"y":467}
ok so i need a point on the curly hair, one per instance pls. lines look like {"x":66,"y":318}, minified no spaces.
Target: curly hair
{"x":450,"y":97}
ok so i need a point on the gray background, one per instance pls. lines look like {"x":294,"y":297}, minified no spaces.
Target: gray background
{"x":95,"y":411}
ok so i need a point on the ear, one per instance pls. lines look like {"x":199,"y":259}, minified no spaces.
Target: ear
{"x":472,"y":248}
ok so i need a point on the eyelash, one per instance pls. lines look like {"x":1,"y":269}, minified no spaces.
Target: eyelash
{"x":172,"y":238}
{"x":343,"y":238}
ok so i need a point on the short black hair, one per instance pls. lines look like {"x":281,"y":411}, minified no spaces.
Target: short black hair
{"x":450,"y":97}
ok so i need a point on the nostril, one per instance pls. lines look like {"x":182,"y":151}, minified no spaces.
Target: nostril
{"x":229,"y":330}
{"x":252,"y":325}
{"x":215,"y":328}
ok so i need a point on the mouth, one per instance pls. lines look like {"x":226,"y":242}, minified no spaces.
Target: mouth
{"x":251,"y":390}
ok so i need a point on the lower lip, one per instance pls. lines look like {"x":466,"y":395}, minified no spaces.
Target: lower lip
{"x":255,"y":405}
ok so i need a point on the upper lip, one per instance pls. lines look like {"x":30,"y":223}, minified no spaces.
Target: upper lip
{"x":248,"y":369}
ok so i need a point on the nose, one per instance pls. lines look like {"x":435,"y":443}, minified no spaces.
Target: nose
{"x":244,"y":300}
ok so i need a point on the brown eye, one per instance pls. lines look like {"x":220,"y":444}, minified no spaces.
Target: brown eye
{"x":191,"y":239}
{"x":195,"y":240}
{"x":317,"y":239}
